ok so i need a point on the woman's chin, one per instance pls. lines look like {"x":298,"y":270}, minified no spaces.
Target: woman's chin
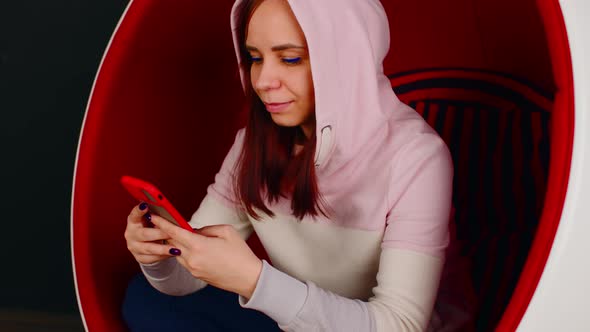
{"x":284,"y":120}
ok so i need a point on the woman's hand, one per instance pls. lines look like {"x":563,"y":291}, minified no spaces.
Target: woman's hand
{"x":215,"y":254}
{"x":145,"y":243}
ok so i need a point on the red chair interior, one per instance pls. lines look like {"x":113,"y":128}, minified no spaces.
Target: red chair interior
{"x":167,"y":102}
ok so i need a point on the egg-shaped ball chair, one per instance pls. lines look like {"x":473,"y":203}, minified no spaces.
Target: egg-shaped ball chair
{"x":505,"y":83}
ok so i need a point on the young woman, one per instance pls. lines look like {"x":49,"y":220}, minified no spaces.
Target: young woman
{"x":348,"y":189}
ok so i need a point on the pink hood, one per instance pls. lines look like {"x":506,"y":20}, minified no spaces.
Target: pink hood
{"x":347,"y":42}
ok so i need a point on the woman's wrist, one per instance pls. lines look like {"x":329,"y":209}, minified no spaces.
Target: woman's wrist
{"x":251,"y":279}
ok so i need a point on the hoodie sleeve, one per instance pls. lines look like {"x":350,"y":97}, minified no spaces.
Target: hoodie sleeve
{"x":218,"y":207}
{"x":410,"y":263}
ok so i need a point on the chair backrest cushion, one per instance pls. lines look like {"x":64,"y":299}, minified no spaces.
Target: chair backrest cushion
{"x":497,"y":129}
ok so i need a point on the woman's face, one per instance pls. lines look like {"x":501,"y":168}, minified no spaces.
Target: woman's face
{"x":281,"y":71}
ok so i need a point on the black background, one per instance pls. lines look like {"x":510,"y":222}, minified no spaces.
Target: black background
{"x":49,"y":54}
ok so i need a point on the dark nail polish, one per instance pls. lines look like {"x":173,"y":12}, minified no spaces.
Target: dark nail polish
{"x":148,"y":216}
{"x":174,"y":251}
{"x":143,"y":206}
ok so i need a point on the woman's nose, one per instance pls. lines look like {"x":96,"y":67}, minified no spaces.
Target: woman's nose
{"x":268,"y":78}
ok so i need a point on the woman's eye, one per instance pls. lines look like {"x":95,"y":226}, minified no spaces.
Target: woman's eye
{"x":255,"y":59}
{"x":292,"y":61}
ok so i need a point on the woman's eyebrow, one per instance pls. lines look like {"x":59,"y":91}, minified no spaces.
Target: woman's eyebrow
{"x":276,"y":48}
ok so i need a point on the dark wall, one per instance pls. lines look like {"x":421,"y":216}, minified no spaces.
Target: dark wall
{"x":49,"y":54}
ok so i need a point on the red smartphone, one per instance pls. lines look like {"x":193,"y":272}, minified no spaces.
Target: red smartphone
{"x":157,"y":202}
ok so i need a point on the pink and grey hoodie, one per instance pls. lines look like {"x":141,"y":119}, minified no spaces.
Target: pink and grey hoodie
{"x":375,"y":265}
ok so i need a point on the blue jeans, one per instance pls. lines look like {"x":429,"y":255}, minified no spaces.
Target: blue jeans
{"x":209,"y":310}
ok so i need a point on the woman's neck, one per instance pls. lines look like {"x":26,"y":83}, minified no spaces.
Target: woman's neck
{"x":300,"y":137}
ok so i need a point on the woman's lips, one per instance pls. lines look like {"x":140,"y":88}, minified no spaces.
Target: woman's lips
{"x":277,"y":107}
